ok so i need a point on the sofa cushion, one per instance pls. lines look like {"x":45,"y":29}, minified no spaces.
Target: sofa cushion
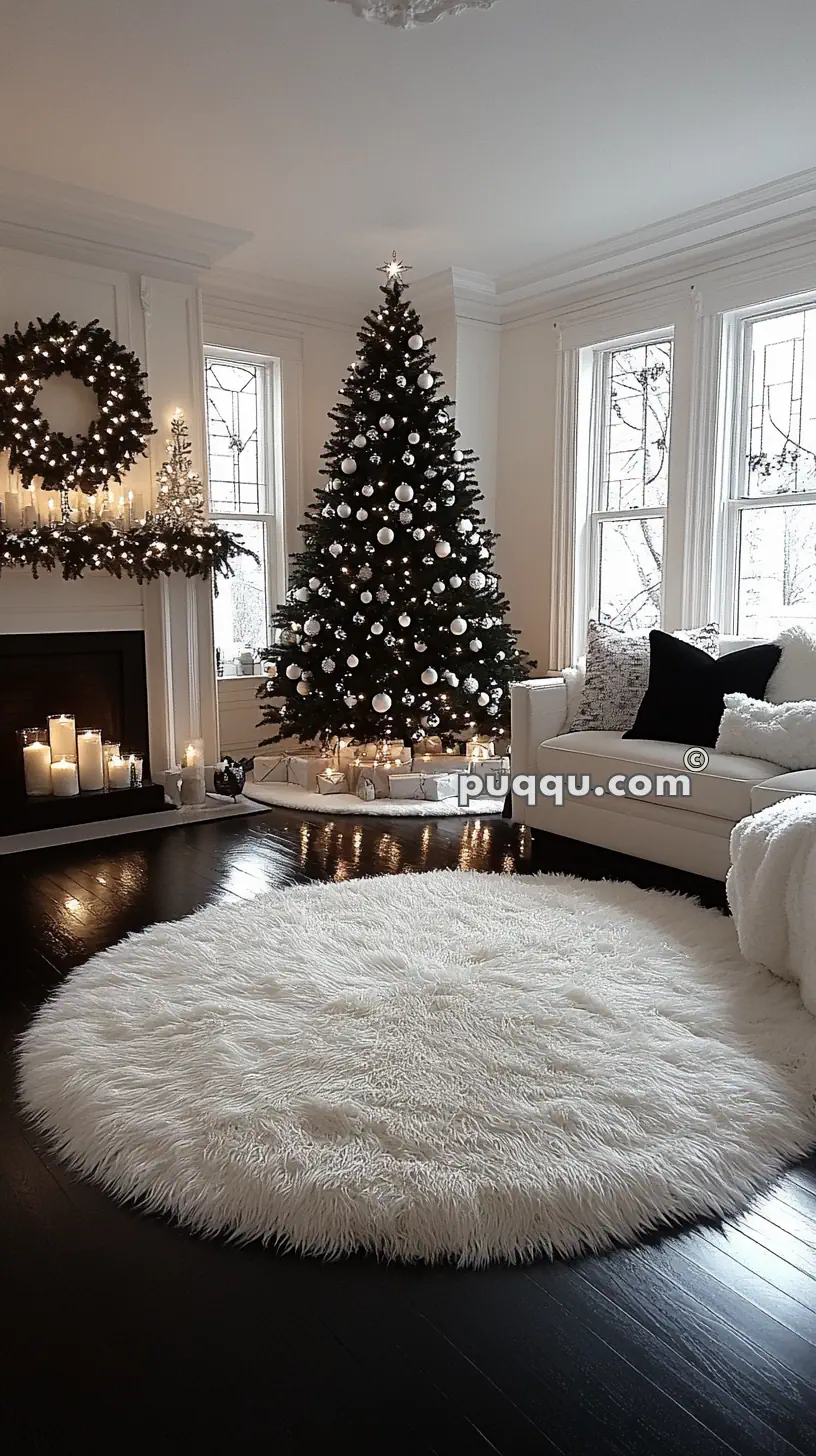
{"x":684,"y":699}
{"x":783,"y":786}
{"x":617,"y":673}
{"x":722,"y":790}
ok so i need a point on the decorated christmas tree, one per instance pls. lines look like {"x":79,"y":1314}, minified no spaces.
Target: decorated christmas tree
{"x":179,"y":489}
{"x":394,"y":625}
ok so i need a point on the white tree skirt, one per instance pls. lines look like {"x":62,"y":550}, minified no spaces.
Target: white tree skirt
{"x":291,"y":796}
{"x":430,"y":1065}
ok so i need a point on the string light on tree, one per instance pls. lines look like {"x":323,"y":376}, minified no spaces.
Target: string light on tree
{"x":393,"y":445}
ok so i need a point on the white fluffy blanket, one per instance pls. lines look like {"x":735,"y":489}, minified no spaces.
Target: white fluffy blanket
{"x":772,"y":890}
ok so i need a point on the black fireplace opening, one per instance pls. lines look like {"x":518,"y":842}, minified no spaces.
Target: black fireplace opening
{"x":99,"y":677}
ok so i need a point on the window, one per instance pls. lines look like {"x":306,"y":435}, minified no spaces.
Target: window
{"x":243,"y":407}
{"x":624,"y":418}
{"x":768,"y":537}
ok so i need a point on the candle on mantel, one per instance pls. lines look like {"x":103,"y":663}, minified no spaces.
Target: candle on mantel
{"x":62,"y":735}
{"x":37,"y":767}
{"x":136,"y":767}
{"x":30,"y":517}
{"x":12,"y":510}
{"x":90,"y":760}
{"x":194,"y":754}
{"x":64,"y":778}
{"x":118,"y":773}
{"x":109,"y":751}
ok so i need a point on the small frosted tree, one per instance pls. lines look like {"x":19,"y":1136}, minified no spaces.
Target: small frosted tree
{"x":180,"y":491}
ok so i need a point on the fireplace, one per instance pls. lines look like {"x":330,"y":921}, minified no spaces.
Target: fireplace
{"x":100,"y":677}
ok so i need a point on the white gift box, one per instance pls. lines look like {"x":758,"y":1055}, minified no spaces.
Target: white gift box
{"x":488,"y":768}
{"x":431,"y":745}
{"x":305,"y":771}
{"x":332,"y":783}
{"x":440,"y":763}
{"x":381,"y":774}
{"x":366,"y":790}
{"x":270,"y":768}
{"x":394,"y":752}
{"x":434,"y":787}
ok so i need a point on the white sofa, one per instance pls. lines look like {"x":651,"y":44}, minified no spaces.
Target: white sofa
{"x":690,"y":833}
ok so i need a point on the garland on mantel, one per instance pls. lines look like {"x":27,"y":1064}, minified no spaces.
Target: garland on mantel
{"x":145,"y":551}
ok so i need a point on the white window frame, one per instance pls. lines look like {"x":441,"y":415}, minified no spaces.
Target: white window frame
{"x":272,"y":495}
{"x":592,"y":419}
{"x":731,"y":498}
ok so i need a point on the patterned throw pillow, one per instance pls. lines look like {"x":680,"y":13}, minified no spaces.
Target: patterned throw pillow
{"x":617,"y":675}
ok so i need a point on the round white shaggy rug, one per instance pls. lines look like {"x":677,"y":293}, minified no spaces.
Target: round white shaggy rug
{"x":439,"y":1065}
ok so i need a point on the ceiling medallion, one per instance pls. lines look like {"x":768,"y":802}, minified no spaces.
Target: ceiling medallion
{"x":407,"y":13}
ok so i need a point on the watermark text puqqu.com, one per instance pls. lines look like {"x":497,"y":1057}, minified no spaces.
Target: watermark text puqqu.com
{"x":559,"y":787}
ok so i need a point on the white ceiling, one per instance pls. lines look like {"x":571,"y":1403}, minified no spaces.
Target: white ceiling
{"x":491,"y":141}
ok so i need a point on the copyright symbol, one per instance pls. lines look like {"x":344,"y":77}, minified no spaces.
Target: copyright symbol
{"x":695,"y":760}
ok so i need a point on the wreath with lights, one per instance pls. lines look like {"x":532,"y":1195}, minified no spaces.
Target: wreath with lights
{"x":91,"y":355}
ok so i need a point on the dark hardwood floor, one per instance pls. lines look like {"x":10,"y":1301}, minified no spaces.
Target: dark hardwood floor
{"x":123,"y":1333}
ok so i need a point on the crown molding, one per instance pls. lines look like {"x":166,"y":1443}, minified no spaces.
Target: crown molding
{"x":776,"y":212}
{"x":470,"y":295}
{"x":233,"y":293}
{"x":40,"y":215}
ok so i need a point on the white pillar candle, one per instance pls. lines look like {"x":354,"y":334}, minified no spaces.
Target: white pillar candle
{"x":64,"y":778}
{"x":89,"y":758}
{"x":136,"y":767}
{"x":13,"y":510}
{"x":118,"y":773}
{"x":37,"y":768}
{"x":194,"y":754}
{"x":62,"y":736}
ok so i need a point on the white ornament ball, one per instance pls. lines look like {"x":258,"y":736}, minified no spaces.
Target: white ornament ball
{"x":359,"y":441}
{"x":386,"y":422}
{"x":302,"y":594}
{"x":304,"y":688}
{"x":421,"y":646}
{"x":348,"y":466}
{"x":311,"y":627}
{"x":381,"y":702}
{"x":483,"y":700}
{"x":404,"y":620}
{"x":458,"y":456}
{"x":405,"y":518}
{"x":314,"y":583}
{"x":366,"y":597}
{"x":415,"y":342}
{"x":293,"y":671}
{"x":456,"y":582}
{"x":475,"y":644}
{"x":425,"y":380}
{"x":500,"y":656}
{"x":368,"y":490}
{"x":385,"y":535}
{"x":483,"y":553}
{"x":376,"y":629}
{"x":430,"y":676}
{"x":413,"y":438}
{"x":328,"y":664}
{"x":362,"y":514}
{"x":470,"y":685}
{"x":465,"y":527}
{"x":404,"y":493}
{"x":458,"y":626}
{"x":335,"y":549}
{"x":443,"y":548}
{"x":419,"y":534}
{"x":352,"y":660}
{"x":477,"y":580}
{"x":438,"y":587}
{"x":349,"y":700}
{"x":344,"y":510}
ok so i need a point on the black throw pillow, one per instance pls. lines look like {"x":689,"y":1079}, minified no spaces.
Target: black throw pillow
{"x":684,"y":699}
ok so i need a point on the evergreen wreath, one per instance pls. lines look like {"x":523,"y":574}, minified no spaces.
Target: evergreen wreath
{"x":90,"y":354}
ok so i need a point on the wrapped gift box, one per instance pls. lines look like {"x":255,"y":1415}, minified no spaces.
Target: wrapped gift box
{"x":381,"y":774}
{"x":332,"y":783}
{"x":429,"y":746}
{"x":488,"y":768}
{"x":434,"y":787}
{"x":439,"y":763}
{"x":356,"y":753}
{"x":305,"y":770}
{"x":271,"y":768}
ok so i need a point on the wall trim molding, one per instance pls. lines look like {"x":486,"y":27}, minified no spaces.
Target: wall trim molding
{"x":39,"y":215}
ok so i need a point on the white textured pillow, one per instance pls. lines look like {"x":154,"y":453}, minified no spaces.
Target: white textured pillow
{"x":794,"y":678}
{"x":574,"y":679}
{"x":782,"y":733}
